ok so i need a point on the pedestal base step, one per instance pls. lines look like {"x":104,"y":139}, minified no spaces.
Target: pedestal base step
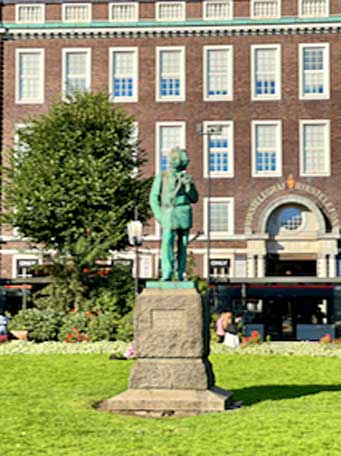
{"x":162,"y":403}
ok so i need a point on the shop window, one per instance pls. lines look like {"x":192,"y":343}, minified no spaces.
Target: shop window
{"x":338,"y":265}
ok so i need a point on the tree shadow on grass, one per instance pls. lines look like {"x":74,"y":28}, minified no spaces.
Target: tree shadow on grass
{"x":254,"y":394}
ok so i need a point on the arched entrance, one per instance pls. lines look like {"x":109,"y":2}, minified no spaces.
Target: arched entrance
{"x":292,"y":238}
{"x":291,"y":250}
{"x":294,"y":229}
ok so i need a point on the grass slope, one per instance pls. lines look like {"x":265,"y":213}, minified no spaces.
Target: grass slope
{"x":292,"y":407}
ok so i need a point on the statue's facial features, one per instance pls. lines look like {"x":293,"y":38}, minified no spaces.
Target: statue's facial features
{"x":178,"y":159}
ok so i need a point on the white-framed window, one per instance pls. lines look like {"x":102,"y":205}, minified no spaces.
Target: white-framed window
{"x":170,"y":11}
{"x":314,"y":73}
{"x":313,"y":8}
{"x":218,"y":73}
{"x":170,"y":70}
{"x":265,"y":8}
{"x":30,"y":13}
{"x":266,"y":72}
{"x":221,"y":210}
{"x":266,"y":148}
{"x":218,"y":150}
{"x":30,"y":75}
{"x":168,"y":136}
{"x":315,"y":147}
{"x":124,"y":12}
{"x":146,"y":266}
{"x":76,"y":70}
{"x":76,"y":12}
{"x":217,"y":9}
{"x":123,"y":74}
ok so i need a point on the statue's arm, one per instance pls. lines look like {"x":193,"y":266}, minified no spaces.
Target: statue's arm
{"x":155,"y":197}
{"x":192,"y":192}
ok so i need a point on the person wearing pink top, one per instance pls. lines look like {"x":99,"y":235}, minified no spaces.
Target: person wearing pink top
{"x":220,"y":327}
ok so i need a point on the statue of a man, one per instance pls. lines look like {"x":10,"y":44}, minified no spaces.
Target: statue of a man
{"x":171,"y":196}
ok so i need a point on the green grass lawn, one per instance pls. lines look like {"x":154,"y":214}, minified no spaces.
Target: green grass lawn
{"x":292,"y":407}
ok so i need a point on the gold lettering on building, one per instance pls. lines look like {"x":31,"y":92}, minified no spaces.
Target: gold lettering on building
{"x":292,"y":185}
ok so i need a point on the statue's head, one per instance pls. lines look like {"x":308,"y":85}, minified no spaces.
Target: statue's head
{"x":178,"y":159}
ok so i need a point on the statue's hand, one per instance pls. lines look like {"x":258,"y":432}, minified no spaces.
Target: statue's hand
{"x":187,"y":178}
{"x":187,"y":181}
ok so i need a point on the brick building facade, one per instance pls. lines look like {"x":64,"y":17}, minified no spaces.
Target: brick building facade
{"x":261,"y":77}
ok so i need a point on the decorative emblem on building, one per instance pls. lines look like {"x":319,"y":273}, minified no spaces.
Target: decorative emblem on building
{"x":291,"y":182}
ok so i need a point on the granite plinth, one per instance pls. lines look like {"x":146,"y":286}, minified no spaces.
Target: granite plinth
{"x":168,"y":402}
{"x":172,"y":375}
{"x":183,"y":374}
{"x":168,"y":323}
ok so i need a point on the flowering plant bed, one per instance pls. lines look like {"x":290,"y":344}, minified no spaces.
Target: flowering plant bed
{"x":332,"y":350}
{"x":49,"y":348}
{"x":254,"y":339}
{"x":120,"y":348}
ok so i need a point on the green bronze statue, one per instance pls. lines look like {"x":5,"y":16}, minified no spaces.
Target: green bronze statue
{"x":171,"y":196}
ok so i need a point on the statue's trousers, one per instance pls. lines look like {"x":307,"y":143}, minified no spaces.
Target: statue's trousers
{"x":167,"y":261}
{"x":168,"y":238}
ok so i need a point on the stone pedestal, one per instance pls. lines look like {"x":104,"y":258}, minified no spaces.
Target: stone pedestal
{"x":172,"y":375}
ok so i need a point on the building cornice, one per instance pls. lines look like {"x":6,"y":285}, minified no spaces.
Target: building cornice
{"x":189,"y":28}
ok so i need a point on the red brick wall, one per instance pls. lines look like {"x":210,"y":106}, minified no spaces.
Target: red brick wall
{"x":53,"y":12}
{"x":241,"y":110}
{"x":147,"y":10}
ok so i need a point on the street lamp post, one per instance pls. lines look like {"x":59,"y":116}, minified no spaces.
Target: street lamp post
{"x":135,"y":228}
{"x":208,"y":131}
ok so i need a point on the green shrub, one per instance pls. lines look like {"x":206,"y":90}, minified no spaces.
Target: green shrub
{"x":102,"y":327}
{"x":41,"y":324}
{"x":88,"y":326}
{"x":88,"y":290}
{"x":73,"y":324}
{"x":125,"y":328}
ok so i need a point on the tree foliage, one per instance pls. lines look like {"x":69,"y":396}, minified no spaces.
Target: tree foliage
{"x":72,"y":185}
